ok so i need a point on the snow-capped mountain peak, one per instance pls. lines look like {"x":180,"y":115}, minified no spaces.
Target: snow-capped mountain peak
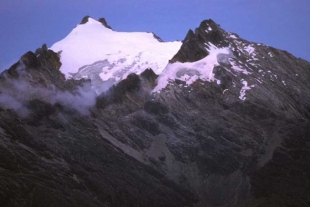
{"x":93,"y":50}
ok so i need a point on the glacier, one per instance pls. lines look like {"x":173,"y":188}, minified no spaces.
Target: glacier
{"x":105,"y":56}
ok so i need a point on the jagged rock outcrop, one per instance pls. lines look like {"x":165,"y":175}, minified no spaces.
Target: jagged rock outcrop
{"x":104,"y":22}
{"x":239,"y":139}
{"x":193,"y":47}
{"x":40,"y":68}
{"x":101,"y":20}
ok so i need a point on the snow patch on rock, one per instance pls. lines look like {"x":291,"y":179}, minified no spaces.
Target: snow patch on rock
{"x":244,"y":88}
{"x":190,"y":72}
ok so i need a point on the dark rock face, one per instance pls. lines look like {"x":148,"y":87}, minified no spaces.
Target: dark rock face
{"x":207,"y":144}
{"x":284,"y":180}
{"x":104,"y":22}
{"x":158,"y":38}
{"x":59,"y":169}
{"x":194,"y":48}
{"x":85,"y":19}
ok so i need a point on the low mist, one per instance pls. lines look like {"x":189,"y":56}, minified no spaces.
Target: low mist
{"x":15,"y":93}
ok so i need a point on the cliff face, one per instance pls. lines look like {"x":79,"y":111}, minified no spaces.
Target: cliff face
{"x":238,"y":139}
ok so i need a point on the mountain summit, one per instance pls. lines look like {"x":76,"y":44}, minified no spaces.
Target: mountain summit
{"x":93,"y":50}
{"x":224,"y":123}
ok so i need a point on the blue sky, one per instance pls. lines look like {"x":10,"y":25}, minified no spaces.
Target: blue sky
{"x":26,"y":25}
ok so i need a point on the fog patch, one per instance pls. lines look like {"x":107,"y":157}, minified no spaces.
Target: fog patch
{"x":82,"y":100}
{"x":15,"y":93}
{"x":10,"y":102}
